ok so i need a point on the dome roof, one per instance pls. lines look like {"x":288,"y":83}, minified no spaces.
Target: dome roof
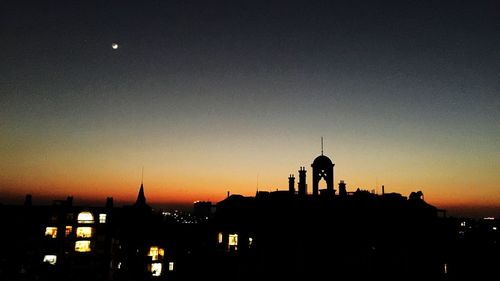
{"x":322,"y":160}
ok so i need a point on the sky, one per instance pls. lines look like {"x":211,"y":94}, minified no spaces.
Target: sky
{"x":214,"y":96}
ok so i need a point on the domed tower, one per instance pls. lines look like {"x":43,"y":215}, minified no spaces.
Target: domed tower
{"x":323,"y":169}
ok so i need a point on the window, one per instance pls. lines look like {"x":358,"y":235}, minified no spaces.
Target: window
{"x":156,"y":269}
{"x":250,"y":242}
{"x":220,"y":237}
{"x":233,"y":242}
{"x":171,"y":266}
{"x":50,"y":259}
{"x":82,"y":246}
{"x":51,"y":231}
{"x":156,"y":253}
{"x":85,"y":217}
{"x":102,"y":218}
{"x":68,"y":230}
{"x":84,"y":232}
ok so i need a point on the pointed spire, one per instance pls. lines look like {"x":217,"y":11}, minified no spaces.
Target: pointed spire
{"x":141,"y":199}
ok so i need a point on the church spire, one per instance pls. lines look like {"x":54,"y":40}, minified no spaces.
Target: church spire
{"x":141,"y":199}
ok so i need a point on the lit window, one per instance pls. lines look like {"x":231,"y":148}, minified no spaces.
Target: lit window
{"x":84,"y":232}
{"x":50,"y":259}
{"x":494,"y":228}
{"x":85,"y":217}
{"x":233,"y":242}
{"x":171,"y":266}
{"x":156,"y":253}
{"x":221,"y":237}
{"x":250,"y":242}
{"x":462,"y":223}
{"x":156,"y":269}
{"x":82,"y":246}
{"x":68,"y":230}
{"x":51,"y":231}
{"x":233,"y":239}
{"x":102,"y":218}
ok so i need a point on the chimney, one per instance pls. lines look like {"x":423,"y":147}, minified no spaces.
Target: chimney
{"x":302,"y":181}
{"x":291,"y":184}
{"x":342,"y":189}
{"x":28,"y":200}
{"x":109,"y":202}
{"x":383,"y":191}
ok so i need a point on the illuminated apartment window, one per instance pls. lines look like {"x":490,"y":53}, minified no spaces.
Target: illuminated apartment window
{"x":250,"y":242}
{"x":82,"y":246}
{"x":171,"y":266}
{"x":84,"y":232}
{"x":156,"y":269}
{"x":220,"y":237}
{"x":51,"y":231}
{"x":68,"y":230}
{"x":50,"y":259}
{"x":156,"y":253}
{"x":102,"y":218}
{"x":85,"y":217}
{"x":233,"y":242}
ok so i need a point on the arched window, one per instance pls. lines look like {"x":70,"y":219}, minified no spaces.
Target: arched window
{"x":85,"y":217}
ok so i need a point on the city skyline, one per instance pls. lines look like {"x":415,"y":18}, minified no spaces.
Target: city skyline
{"x":235,"y":96}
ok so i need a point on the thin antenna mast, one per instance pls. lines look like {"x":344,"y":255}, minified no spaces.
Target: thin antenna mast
{"x":142,"y":175}
{"x":321,"y":145}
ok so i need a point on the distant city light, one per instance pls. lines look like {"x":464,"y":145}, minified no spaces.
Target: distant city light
{"x":489,"y":218}
{"x":114,"y":46}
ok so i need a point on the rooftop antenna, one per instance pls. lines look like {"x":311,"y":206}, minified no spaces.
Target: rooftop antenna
{"x":321,"y":145}
{"x":257,"y":182}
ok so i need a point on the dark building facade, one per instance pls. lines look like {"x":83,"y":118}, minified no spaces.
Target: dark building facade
{"x":325,"y":234}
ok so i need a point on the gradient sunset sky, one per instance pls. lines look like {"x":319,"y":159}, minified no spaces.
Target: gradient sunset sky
{"x":217,"y":96}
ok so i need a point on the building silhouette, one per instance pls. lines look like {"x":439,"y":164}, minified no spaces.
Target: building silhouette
{"x":337,"y":234}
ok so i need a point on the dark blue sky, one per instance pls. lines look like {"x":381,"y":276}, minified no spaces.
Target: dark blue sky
{"x":404,"y":92}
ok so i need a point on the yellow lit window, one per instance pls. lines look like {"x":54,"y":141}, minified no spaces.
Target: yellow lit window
{"x":84,"y":232}
{"x":82,"y":246}
{"x":250,"y":242}
{"x":233,"y":242}
{"x":220,"y":237}
{"x":68,"y":230}
{"x":156,"y":253}
{"x":171,"y":266}
{"x":85,"y":217}
{"x":102,"y":218}
{"x":50,"y":259}
{"x":51,"y":231}
{"x":156,"y":269}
